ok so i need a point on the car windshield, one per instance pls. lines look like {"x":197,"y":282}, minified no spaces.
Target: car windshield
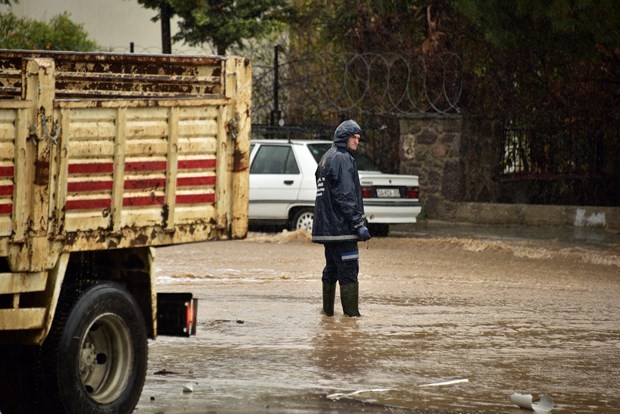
{"x":363,"y":162}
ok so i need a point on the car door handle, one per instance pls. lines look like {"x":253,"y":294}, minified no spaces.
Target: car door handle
{"x":288,"y":182}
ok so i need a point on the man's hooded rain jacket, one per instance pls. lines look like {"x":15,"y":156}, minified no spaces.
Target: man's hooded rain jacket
{"x":338,"y":208}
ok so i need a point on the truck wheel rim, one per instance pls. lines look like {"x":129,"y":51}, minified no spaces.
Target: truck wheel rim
{"x":106,"y":358}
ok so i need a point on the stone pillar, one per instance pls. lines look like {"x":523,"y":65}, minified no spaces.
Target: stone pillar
{"x":431,"y":148}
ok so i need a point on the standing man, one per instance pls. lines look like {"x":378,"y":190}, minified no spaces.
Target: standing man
{"x":339,"y":219}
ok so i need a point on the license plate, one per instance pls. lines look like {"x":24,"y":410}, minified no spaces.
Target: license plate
{"x":388,"y":193}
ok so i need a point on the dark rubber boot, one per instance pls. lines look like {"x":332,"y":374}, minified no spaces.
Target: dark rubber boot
{"x":349,"y":296}
{"x":329,"y":296}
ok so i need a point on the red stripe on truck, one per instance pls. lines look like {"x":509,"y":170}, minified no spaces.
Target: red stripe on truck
{"x":134,"y":166}
{"x":6,"y":208}
{"x":141,"y":201}
{"x":92,"y":186}
{"x":7,"y":171}
{"x":6,"y":189}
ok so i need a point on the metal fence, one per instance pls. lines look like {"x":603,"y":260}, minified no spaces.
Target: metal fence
{"x":302,"y":88}
{"x":565,"y":166}
{"x":549,"y":153}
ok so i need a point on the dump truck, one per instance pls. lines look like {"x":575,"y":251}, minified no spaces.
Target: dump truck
{"x":103,"y":158}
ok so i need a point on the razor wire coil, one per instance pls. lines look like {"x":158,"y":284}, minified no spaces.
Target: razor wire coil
{"x":387,"y":83}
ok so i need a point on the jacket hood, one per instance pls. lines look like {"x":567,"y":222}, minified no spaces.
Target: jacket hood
{"x":344,"y":131}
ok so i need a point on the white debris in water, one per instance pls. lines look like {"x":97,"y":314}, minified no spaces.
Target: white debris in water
{"x":339,"y":395}
{"x":188,"y":388}
{"x":525,"y":401}
{"x":451,"y":382}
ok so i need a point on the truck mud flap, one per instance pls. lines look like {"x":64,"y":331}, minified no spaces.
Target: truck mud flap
{"x":176,"y":314}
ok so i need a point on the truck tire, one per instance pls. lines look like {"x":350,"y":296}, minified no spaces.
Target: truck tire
{"x":302,"y":219}
{"x":95,"y":357}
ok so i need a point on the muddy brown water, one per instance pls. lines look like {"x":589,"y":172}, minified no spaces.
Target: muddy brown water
{"x":449,"y":325}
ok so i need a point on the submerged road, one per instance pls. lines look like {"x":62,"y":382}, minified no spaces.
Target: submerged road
{"x":451,"y":323}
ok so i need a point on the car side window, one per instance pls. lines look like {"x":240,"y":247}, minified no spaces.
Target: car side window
{"x":274,"y":159}
{"x":317,"y":150}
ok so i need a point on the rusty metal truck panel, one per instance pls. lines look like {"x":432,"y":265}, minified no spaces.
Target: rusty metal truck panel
{"x":103,"y":151}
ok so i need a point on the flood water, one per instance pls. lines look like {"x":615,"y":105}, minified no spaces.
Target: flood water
{"x":449,"y":325}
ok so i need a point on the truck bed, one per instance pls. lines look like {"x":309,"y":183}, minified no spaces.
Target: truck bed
{"x":101,"y":151}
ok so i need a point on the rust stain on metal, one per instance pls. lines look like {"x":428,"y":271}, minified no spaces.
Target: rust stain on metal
{"x":42,"y":172}
{"x":165,"y":214}
{"x":155,"y":232}
{"x":240,"y":160}
{"x":70,"y":238}
{"x":140,"y":240}
{"x":96,"y":75}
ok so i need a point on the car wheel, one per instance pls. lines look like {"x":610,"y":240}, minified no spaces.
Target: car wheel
{"x":96,"y":357}
{"x":302,"y":219}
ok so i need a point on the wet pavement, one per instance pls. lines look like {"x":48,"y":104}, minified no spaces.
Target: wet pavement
{"x":452,"y":322}
{"x":585,"y":235}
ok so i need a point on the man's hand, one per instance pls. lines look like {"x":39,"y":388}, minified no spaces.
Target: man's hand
{"x":363,"y":233}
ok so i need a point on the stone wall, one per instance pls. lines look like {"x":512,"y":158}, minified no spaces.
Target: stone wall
{"x":432,"y":149}
{"x":457,"y":160}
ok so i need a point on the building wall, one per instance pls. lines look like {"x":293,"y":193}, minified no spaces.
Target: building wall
{"x":113,"y":24}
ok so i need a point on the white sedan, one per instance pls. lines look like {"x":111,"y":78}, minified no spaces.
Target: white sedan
{"x":283,"y":188}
